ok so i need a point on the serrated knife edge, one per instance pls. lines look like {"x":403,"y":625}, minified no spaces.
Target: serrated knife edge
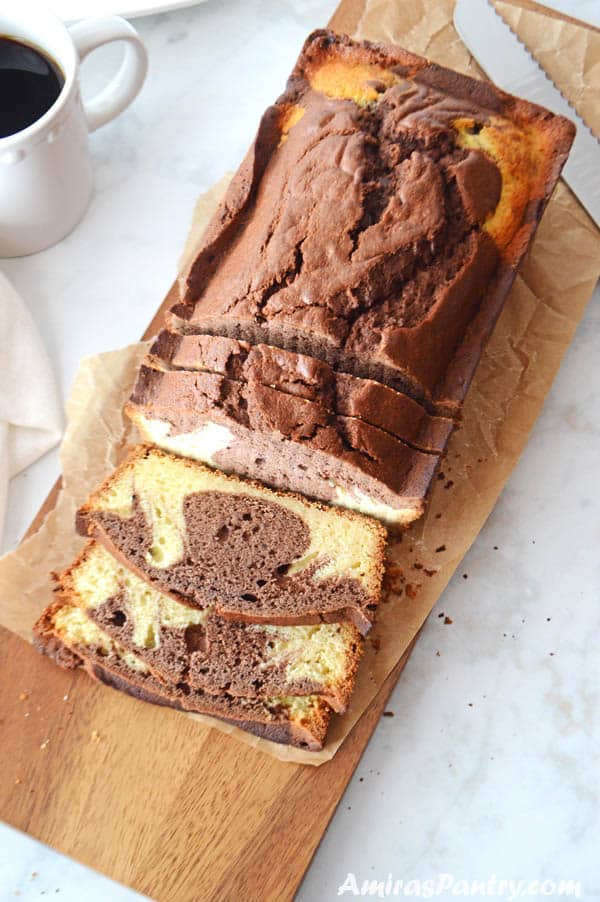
{"x":576,"y":115}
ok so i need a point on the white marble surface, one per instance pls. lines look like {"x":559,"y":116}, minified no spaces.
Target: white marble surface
{"x":490,"y":764}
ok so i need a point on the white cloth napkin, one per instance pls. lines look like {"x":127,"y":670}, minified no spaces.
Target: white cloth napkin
{"x":30,"y":411}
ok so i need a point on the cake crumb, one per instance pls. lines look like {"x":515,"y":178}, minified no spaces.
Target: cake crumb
{"x":437,"y":654}
{"x":448,"y":619}
{"x":411,"y":591}
{"x":441,"y":614}
{"x":393,"y":570}
{"x":429,"y":572}
{"x":34,"y":875}
{"x":388,"y":714}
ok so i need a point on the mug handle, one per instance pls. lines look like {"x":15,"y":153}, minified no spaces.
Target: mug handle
{"x":126,"y":84}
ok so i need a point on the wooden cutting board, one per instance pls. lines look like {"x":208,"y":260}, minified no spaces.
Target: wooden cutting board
{"x":153,"y":799}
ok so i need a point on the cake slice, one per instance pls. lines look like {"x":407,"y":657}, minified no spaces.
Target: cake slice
{"x":304,"y":377}
{"x":286,"y":441}
{"x":184,"y":644}
{"x":379,"y":218}
{"x":71,"y":639}
{"x":254,"y":555}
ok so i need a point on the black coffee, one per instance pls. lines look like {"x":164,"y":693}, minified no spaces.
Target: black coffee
{"x":30,"y":82}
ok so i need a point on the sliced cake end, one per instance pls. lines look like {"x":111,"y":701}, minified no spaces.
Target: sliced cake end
{"x":184,"y":644}
{"x":71,"y":639}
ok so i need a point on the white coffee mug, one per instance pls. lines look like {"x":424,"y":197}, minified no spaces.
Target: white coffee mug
{"x":45,"y":169}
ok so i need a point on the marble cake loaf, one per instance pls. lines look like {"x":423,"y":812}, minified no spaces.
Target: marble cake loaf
{"x":180,"y":644}
{"x":214,"y":541}
{"x":66,"y":634}
{"x":378,"y":220}
{"x":357,"y":264}
{"x":326,"y":335}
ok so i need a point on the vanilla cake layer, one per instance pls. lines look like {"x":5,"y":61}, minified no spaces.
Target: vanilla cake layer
{"x":215,"y":541}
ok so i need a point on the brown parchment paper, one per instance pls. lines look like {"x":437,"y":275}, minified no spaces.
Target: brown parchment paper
{"x":536,"y":327}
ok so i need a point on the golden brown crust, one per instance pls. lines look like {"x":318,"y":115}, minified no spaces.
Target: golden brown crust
{"x":555,"y":132}
{"x":48,"y":643}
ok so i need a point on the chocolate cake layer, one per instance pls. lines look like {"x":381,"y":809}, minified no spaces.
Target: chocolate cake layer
{"x":254,"y":555}
{"x":304,"y":377}
{"x":285,"y":441}
{"x":182,"y":644}
{"x":65,"y":634}
{"x":378,"y":219}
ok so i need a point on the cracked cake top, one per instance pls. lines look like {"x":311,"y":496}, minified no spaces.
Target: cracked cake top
{"x":382,"y":196}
